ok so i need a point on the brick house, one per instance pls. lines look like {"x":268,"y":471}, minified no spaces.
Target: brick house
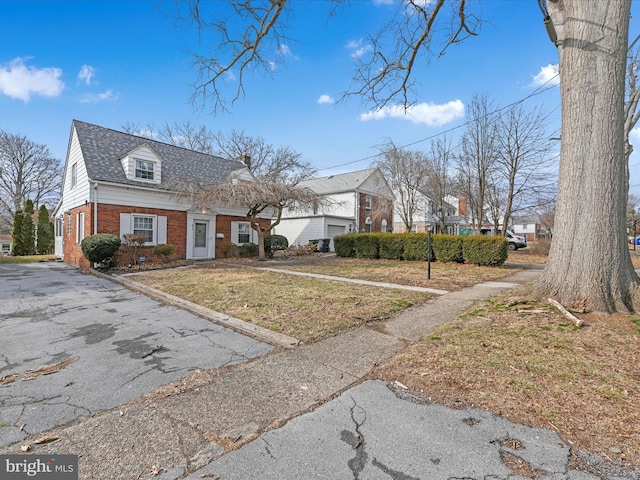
{"x":119,"y":183}
{"x":360,"y":201}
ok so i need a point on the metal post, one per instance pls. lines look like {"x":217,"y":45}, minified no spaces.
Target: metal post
{"x":634,"y":235}
{"x":429,"y":253}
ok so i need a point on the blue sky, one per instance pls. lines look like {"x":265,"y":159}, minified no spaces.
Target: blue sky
{"x":112,"y":62}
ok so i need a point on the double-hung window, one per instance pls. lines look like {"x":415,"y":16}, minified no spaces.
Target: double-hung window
{"x":80,"y":227}
{"x":143,"y":225}
{"x":244,"y":233}
{"x":367,"y":202}
{"x":144,"y":170}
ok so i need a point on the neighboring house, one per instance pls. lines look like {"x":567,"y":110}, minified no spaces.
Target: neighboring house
{"x":5,"y":245}
{"x":119,"y":183}
{"x":426,"y":215}
{"x":528,"y":226}
{"x":359,"y":201}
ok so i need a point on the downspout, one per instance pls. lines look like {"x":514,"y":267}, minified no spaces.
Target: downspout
{"x":357,"y":212}
{"x":95,"y":208}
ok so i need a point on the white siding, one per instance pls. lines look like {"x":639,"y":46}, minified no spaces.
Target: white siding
{"x":136,"y":197}
{"x":299,"y":231}
{"x":80,"y":194}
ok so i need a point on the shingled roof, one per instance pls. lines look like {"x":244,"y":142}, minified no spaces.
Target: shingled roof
{"x":103,"y":148}
{"x":343,"y":182}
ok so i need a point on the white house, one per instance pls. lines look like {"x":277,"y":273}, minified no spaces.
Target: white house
{"x":426,"y":215}
{"x":359,"y":201}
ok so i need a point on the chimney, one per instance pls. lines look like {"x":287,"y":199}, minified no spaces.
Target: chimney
{"x":245,"y":159}
{"x":462,"y":206}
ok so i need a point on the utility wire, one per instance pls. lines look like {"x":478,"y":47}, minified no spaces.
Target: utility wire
{"x":541,"y":89}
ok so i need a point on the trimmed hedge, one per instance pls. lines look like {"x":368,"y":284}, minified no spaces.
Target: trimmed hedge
{"x":415,"y":246}
{"x":366,"y":246}
{"x":391,"y":246}
{"x":478,"y":249}
{"x":344,"y":245}
{"x":448,"y":248}
{"x":485,"y":251}
{"x":100,"y":247}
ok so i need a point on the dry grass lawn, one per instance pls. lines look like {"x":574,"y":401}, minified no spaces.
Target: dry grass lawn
{"x":305,"y":308}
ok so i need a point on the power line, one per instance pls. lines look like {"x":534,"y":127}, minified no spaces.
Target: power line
{"x":536,"y":92}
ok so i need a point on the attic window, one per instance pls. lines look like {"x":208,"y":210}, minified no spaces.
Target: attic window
{"x":144,"y":170}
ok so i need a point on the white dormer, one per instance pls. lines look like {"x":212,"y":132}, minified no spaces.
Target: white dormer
{"x":143,"y":165}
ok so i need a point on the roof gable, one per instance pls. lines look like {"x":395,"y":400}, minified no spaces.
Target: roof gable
{"x":371,"y":180}
{"x":103,"y":151}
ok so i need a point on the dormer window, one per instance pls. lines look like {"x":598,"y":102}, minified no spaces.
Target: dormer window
{"x":144,"y":170}
{"x":142,"y":165}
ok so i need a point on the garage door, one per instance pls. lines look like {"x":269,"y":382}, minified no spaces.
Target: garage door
{"x":333,"y":231}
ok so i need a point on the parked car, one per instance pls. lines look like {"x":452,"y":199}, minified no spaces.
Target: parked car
{"x":516,"y":241}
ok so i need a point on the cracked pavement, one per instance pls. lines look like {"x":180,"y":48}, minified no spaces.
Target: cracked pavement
{"x":122,"y":346}
{"x":371,"y":433}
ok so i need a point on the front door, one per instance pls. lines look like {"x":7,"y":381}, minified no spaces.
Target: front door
{"x":201,"y":239}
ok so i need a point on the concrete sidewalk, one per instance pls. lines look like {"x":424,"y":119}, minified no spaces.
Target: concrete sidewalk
{"x":183,"y":426}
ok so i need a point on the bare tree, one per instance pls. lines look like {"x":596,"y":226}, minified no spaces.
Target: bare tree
{"x":27,"y":170}
{"x":187,"y":135}
{"x":479,"y":152}
{"x":438,"y":181}
{"x":406,"y":172}
{"x":523,"y":158}
{"x":592,"y":41}
{"x":264,"y":201}
{"x":268,"y":163}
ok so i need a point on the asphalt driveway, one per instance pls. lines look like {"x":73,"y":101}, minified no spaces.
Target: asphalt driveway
{"x":72,"y":344}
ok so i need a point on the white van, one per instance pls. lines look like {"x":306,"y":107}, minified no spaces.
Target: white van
{"x":516,"y":241}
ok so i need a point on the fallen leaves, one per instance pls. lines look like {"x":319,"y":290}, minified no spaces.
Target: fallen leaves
{"x":32,"y":374}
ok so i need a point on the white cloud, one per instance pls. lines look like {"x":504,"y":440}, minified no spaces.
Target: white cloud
{"x":357,"y":48}
{"x":383,"y":2}
{"x":284,"y":50}
{"x":107,"y":95}
{"x":546,"y":76}
{"x":429,"y":114}
{"x":20,"y":81}
{"x":326,"y":100}
{"x":86,"y":73}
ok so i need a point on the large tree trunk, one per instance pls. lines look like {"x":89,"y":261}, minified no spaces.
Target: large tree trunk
{"x":589,"y":258}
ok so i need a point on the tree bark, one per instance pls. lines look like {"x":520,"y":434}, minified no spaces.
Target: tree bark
{"x":589,"y":258}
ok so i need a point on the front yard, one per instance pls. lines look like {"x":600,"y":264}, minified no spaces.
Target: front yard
{"x":307,"y":308}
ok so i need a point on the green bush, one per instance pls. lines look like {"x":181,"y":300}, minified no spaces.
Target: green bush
{"x":229,"y":250}
{"x":448,"y":248}
{"x":485,"y":251}
{"x":366,"y":245}
{"x":415,"y":246}
{"x":249,"y":249}
{"x":100,"y":248}
{"x":391,"y":246}
{"x":344,"y":245}
{"x":164,"y":251}
{"x":273,"y":243}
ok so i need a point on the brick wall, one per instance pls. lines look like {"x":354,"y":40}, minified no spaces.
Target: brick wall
{"x":72,"y":251}
{"x":381,"y":209}
{"x":109,"y":222}
{"x":223,"y":226}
